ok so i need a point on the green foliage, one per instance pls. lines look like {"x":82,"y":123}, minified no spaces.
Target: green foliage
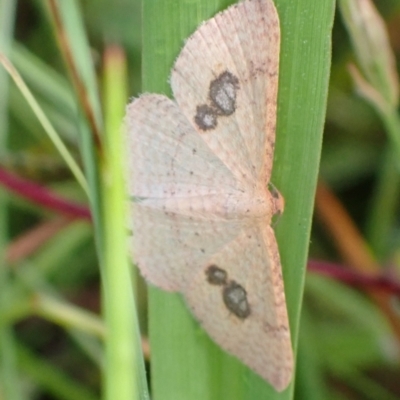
{"x":200,"y":373}
{"x":53,"y":341}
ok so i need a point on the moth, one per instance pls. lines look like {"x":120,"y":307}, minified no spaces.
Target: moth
{"x":199,"y":173}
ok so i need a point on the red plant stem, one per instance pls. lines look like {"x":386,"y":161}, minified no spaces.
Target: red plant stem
{"x":42,"y":196}
{"x":46,"y":198}
{"x":354,"y":278}
{"x":28,"y":242}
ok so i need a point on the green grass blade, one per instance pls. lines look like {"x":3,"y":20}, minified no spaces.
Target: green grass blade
{"x":123,"y":351}
{"x":51,"y":89}
{"x":9,"y":382}
{"x":310,"y":382}
{"x":42,"y":78}
{"x":303,"y":87}
{"x":71,"y":14}
{"x":185,"y":363}
{"x":7,"y":11}
{"x":52,"y":380}
{"x":80,"y":55}
{"x":47,"y":126}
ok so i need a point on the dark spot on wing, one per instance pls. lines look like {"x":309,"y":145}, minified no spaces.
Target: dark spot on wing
{"x":223,"y":93}
{"x":216,"y":275}
{"x":222,"y":101}
{"x":235,"y":299}
{"x":206,"y":117}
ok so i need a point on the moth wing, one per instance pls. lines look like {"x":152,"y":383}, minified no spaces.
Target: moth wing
{"x":227,"y":75}
{"x":171,"y":171}
{"x":259,"y":333}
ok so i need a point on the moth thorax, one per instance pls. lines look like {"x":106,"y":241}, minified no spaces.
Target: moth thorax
{"x":247,"y":205}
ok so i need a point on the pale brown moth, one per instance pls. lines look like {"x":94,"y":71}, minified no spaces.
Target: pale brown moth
{"x":199,"y":170}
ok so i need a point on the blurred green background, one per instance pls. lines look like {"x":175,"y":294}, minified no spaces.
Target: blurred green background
{"x":51,"y":330}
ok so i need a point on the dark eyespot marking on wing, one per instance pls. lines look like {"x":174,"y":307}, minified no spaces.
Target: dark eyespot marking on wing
{"x":205,"y":118}
{"x":233,"y":294}
{"x":216,"y":275}
{"x":235,"y":299}
{"x":223,"y":91}
{"x":222,"y":95}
